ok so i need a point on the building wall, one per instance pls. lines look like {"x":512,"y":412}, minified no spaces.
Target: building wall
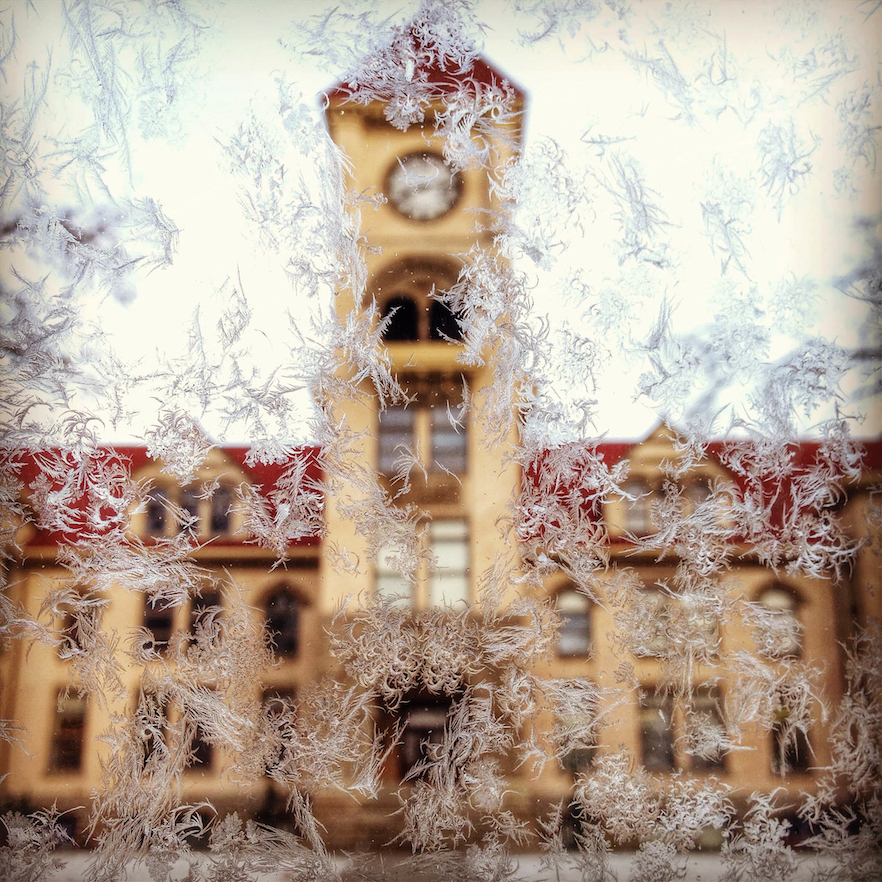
{"x":32,"y":680}
{"x":33,"y":677}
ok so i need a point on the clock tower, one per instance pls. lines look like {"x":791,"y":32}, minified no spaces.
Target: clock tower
{"x":432,"y":213}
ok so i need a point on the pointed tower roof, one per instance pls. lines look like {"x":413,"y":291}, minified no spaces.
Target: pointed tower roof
{"x":418,"y":66}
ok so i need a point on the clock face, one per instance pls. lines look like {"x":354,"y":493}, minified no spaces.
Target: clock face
{"x":422,"y":187}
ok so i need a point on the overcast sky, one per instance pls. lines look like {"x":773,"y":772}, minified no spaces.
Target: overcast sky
{"x":579,"y":84}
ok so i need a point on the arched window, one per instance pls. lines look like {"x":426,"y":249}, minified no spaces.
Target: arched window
{"x":76,"y":620}
{"x":575,"y":624}
{"x":282,"y":609}
{"x":190,"y":505}
{"x":779,"y":634}
{"x":221,"y":506}
{"x":442,"y":322}
{"x":403,"y":319}
{"x":706,"y":730}
{"x":407,"y":292}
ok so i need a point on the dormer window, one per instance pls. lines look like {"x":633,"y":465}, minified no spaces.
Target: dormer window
{"x":639,"y":520}
{"x":190,"y":506}
{"x":171,"y":510}
{"x":697,"y":492}
{"x":221,"y":504}
{"x":157,"y":512}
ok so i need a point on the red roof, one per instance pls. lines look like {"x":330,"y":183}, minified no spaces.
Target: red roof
{"x":87,"y":489}
{"x":414,"y":58}
{"x":574,"y":478}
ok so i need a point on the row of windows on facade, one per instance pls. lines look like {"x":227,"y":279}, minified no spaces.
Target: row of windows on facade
{"x":281,"y":610}
{"x":642,"y":494}
{"x":68,"y":735}
{"x":422,"y":724}
{"x":450,"y":582}
{"x":575,"y":637}
{"x":189,"y":509}
{"x":429,"y":431}
{"x":661,"y":722}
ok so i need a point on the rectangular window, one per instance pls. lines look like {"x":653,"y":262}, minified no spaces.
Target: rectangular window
{"x":423,"y":726}
{"x":153,"y":712}
{"x":201,"y":607}
{"x":66,"y":752}
{"x":639,"y":507}
{"x":428,"y":427}
{"x":389,"y":583}
{"x":159,"y":621}
{"x":201,"y":752}
{"x":574,"y":639}
{"x":449,"y":581}
{"x":190,"y":506}
{"x":279,"y":700}
{"x":652,"y":623}
{"x":449,"y":442}
{"x":657,"y":732}
{"x":279,"y":705}
{"x":790,"y":750}
{"x":395,"y":433}
{"x":706,"y":731}
{"x":579,"y":759}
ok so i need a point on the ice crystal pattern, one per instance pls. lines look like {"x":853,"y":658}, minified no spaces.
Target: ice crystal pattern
{"x":91,"y":87}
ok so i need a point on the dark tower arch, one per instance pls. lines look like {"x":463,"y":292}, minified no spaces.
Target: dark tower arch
{"x":408,"y":289}
{"x":403,"y":324}
{"x":443,"y":324}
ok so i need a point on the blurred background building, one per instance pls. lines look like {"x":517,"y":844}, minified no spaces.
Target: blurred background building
{"x":417,"y":238}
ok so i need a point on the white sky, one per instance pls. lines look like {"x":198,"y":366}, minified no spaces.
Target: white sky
{"x":566,"y":96}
